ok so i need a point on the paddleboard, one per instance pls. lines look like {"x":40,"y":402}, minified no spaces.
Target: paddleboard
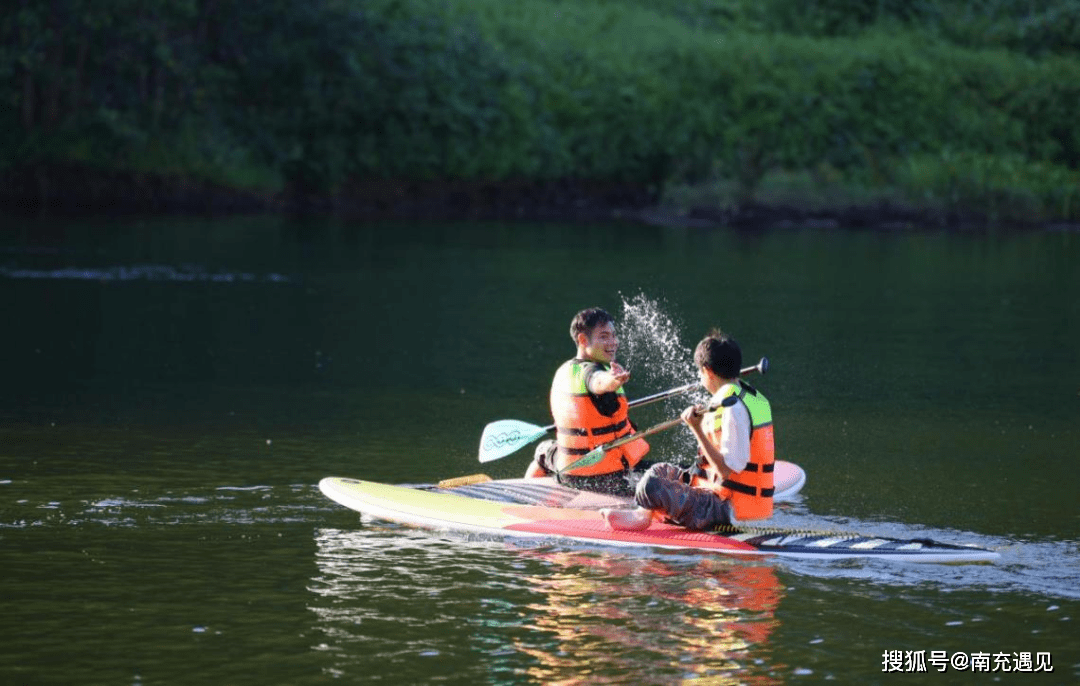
{"x":527,"y":508}
{"x":788,"y":480}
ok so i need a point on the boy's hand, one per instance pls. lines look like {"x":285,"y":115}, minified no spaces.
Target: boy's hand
{"x":692,"y":416}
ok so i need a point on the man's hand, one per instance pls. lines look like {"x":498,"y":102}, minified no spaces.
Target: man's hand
{"x":608,"y":381}
{"x":619,"y":374}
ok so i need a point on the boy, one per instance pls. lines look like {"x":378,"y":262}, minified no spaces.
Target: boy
{"x":733,"y":479}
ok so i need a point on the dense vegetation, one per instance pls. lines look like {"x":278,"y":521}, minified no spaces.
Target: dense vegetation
{"x":953,"y":105}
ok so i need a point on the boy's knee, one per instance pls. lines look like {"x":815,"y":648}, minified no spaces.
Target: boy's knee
{"x":649,"y":491}
{"x":644,"y":490}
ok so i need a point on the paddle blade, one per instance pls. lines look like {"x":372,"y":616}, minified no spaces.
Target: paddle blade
{"x":507,"y":436}
{"x":588,"y":459}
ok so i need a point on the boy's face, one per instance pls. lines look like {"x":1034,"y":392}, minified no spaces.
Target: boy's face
{"x":602,"y":344}
{"x":709,"y":379}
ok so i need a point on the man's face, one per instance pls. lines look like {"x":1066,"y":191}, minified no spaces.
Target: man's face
{"x":602,"y":344}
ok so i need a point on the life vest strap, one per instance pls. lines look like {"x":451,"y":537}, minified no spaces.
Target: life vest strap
{"x":764,"y":469}
{"x":609,"y":429}
{"x":598,"y":431}
{"x":573,"y":451}
{"x":747,"y":490}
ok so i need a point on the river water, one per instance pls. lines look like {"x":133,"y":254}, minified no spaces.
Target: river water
{"x":173,"y":391}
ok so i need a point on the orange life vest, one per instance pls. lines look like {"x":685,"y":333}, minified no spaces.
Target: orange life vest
{"x":751,"y":490}
{"x":584,"y":421}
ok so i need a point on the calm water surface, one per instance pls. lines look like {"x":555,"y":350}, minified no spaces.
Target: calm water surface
{"x":173,"y":390}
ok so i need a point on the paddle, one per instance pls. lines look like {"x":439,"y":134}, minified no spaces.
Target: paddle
{"x":507,"y":436}
{"x":596,"y":454}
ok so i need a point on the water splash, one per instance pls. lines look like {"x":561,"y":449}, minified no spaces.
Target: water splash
{"x":650,"y":345}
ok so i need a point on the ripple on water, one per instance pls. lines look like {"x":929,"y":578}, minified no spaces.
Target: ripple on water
{"x":141,"y":272}
{"x":1049,"y":568}
{"x":259,"y":504}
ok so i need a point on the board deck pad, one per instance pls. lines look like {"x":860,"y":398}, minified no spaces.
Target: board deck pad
{"x":538,"y":508}
{"x":787,"y":476}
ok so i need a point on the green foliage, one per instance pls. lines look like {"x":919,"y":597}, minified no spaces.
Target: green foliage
{"x":383,"y":92}
{"x":844,"y":17}
{"x":1003,"y":188}
{"x":313,"y":94}
{"x":95,"y":81}
{"x":1034,"y":27}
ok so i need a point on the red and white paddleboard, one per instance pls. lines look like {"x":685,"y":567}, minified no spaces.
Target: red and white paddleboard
{"x":541,"y":508}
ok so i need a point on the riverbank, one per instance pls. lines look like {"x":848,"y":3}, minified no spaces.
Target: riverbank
{"x":810,"y":112}
{"x":82,"y":191}
{"x":750,"y":114}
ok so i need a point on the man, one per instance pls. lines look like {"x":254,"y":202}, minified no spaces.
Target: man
{"x":733,"y":479}
{"x":590,"y":409}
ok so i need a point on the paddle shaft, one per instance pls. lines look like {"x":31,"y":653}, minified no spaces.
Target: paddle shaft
{"x":762,"y":366}
{"x":504,"y":437}
{"x":596,"y":454}
{"x":657,"y":428}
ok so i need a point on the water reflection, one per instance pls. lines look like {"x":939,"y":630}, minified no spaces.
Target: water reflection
{"x":606,"y":612}
{"x":398,"y":598}
{"x":404,"y":605}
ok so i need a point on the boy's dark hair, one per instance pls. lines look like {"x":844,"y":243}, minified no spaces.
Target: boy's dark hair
{"x":587,"y":320}
{"x":720,"y":353}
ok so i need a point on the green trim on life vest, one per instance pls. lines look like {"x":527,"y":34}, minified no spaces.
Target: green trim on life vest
{"x":576,"y":377}
{"x":759,"y":408}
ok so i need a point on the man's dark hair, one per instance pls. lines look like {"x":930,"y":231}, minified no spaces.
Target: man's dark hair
{"x":587,"y":320}
{"x":720,"y":353}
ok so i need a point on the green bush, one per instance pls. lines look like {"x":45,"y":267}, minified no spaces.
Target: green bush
{"x":1002,"y":188}
{"x":312,"y":95}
